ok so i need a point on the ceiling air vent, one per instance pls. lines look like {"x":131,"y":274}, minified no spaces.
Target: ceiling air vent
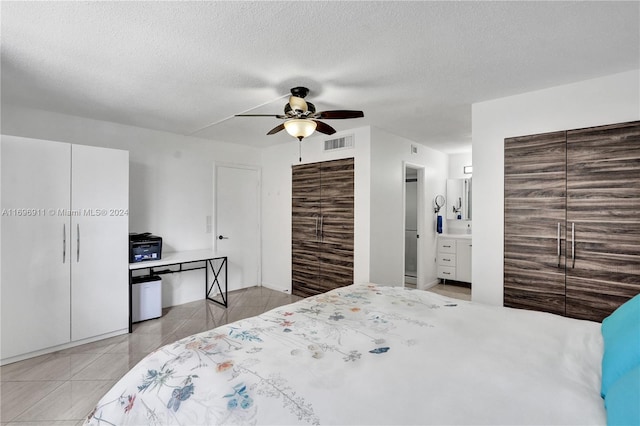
{"x":344,"y":142}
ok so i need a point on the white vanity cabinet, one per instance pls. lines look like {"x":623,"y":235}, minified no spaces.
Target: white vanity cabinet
{"x":454,"y":258}
{"x":64,"y":252}
{"x":446,"y":258}
{"x":463,"y":260}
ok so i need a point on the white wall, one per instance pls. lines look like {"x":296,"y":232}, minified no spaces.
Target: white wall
{"x":606,"y":100}
{"x":171,"y":180}
{"x":276,"y":203}
{"x":457,"y":163}
{"x":388,"y":154}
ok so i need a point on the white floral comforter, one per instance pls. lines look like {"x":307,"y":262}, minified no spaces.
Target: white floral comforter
{"x":368,"y":354}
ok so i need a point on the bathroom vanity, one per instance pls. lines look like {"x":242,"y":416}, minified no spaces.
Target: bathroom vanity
{"x":454,"y":257}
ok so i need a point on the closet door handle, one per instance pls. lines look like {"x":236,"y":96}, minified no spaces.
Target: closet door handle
{"x":78,"y":243}
{"x":316,"y":228}
{"x":64,"y":243}
{"x":573,"y":245}
{"x":321,"y":231}
{"x":559,"y":260}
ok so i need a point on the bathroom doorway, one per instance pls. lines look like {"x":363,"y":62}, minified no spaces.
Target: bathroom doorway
{"x":413,"y":218}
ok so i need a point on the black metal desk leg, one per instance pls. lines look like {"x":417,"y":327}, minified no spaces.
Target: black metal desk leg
{"x":216,"y":281}
{"x":130,"y":301}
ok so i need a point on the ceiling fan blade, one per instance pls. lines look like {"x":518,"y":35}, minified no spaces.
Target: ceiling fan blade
{"x":324,"y":128}
{"x":276,"y":129}
{"x":338,"y":114}
{"x":261,"y":115}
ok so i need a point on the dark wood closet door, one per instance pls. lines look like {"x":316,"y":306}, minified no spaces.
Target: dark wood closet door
{"x":603,"y":204}
{"x":337,"y":207}
{"x":305,"y":228}
{"x":322,"y":226}
{"x":534,"y":198}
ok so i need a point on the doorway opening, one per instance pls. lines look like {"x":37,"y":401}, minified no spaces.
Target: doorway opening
{"x":413,"y":220}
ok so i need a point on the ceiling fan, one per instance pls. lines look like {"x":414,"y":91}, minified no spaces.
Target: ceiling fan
{"x":301,"y":119}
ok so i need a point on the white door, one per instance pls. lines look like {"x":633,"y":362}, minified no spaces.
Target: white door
{"x":100,"y":232}
{"x":238,"y":223}
{"x":35,"y":244}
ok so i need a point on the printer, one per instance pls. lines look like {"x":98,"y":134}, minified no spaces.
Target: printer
{"x":143,"y":247}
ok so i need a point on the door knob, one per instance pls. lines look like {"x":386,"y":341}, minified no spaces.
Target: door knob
{"x":220,"y":237}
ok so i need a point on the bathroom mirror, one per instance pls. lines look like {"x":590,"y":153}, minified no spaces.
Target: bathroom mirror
{"x":459,"y":199}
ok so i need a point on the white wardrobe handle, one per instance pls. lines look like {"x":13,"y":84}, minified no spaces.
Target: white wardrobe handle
{"x":78,"y":243}
{"x":64,"y":243}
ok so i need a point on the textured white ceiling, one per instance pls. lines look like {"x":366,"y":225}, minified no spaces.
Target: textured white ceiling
{"x":414,"y":68}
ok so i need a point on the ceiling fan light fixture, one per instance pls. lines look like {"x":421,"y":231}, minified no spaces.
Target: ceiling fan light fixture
{"x":298,"y":104}
{"x":300,"y":127}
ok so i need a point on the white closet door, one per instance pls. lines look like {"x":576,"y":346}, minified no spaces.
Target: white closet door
{"x":35,"y":263}
{"x":100,"y":239}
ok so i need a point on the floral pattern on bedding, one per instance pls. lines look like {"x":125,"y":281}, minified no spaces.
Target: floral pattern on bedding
{"x":232,"y":374}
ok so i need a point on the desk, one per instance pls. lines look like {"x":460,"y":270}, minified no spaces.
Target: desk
{"x":185,"y":260}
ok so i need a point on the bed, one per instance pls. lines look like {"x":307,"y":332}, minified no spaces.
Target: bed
{"x":369,"y":354}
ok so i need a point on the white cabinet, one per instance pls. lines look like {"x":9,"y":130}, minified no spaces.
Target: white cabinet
{"x":463,"y":259}
{"x":64,"y":246}
{"x":446,"y":258}
{"x":454,"y":258}
{"x":36,"y":263}
{"x":99,"y":271}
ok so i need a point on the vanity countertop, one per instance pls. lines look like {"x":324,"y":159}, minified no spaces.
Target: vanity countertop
{"x":460,"y":236}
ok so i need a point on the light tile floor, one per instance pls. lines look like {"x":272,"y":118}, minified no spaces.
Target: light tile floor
{"x":453,"y":289}
{"x":61,"y":388}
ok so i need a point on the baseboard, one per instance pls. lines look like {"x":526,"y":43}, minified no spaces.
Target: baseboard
{"x":279,"y":288}
{"x":51,"y":349}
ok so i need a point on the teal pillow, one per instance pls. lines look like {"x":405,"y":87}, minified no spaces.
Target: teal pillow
{"x":623,"y":400}
{"x":621,"y":335}
{"x":621,"y":317}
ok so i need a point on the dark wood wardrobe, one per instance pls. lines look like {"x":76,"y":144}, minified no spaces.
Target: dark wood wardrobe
{"x":322,"y":226}
{"x":572,"y":220}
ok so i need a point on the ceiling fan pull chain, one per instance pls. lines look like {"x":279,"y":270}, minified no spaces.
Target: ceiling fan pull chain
{"x":300,"y":150}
